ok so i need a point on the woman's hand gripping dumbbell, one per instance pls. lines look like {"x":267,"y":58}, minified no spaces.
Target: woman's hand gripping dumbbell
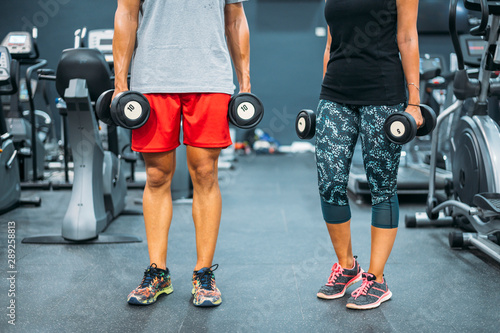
{"x":401,"y":127}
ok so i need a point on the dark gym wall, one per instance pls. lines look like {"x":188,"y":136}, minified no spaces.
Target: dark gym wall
{"x":56,"y":21}
{"x":286,"y":56}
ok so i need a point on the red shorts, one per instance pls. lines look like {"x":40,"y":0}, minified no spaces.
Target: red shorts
{"x":204,"y":122}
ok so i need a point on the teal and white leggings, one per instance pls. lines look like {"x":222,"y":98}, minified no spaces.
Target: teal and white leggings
{"x":337,"y":129}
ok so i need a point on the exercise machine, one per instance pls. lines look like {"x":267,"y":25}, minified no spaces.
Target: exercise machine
{"x":10,"y":182}
{"x":99,"y":186}
{"x":23,"y":48}
{"x":475,"y":158}
{"x":9,"y":171}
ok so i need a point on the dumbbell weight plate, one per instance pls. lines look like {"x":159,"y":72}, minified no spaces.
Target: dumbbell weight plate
{"x":400,"y":128}
{"x":245,"y":110}
{"x":102,"y":107}
{"x":429,"y":117}
{"x":130,"y":110}
{"x":305,"y":124}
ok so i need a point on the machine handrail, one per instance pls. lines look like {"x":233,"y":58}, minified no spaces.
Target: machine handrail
{"x":481,"y":28}
{"x":452,"y":23}
{"x":39,"y":63}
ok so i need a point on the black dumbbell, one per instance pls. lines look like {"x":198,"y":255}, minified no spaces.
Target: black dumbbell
{"x":130,"y":109}
{"x":401,"y":127}
{"x":245,"y":110}
{"x":305,"y":124}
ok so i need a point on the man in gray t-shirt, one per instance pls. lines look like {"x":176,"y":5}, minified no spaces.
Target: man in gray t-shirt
{"x":180,"y":55}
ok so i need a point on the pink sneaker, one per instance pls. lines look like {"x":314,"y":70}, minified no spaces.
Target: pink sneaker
{"x":340,"y":279}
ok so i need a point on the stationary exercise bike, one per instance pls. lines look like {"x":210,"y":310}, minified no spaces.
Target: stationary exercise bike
{"x":475,"y":157}
{"x":99,"y":187}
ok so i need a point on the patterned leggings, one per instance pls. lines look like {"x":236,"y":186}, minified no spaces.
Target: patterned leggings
{"x":337,"y":129}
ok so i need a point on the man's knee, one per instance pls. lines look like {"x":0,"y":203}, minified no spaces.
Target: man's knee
{"x":159,"y":177}
{"x":204,"y":174}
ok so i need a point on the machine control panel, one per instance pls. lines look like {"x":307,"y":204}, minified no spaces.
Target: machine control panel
{"x":20,"y":45}
{"x":102,"y":39}
{"x":473,"y":48}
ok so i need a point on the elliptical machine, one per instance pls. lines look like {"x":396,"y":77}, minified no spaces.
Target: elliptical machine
{"x":9,"y":171}
{"x":23,"y":48}
{"x":10,"y":182}
{"x":475,"y":193}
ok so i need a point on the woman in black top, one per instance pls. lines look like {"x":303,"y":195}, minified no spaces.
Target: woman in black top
{"x":371,"y":61}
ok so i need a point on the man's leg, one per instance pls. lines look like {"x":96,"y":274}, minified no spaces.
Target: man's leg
{"x":157,"y":207}
{"x":157,"y":204}
{"x":207,"y":202}
{"x":206,"y":131}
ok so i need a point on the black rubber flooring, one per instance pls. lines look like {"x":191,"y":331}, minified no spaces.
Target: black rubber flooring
{"x":274,"y":254}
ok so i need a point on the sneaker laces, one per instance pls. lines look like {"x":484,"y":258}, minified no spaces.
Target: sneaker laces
{"x":337,"y":271}
{"x":149,"y":275}
{"x":363,"y":290}
{"x":206,"y":277}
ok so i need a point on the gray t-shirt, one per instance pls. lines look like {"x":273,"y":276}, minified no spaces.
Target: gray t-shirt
{"x":181,"y":48}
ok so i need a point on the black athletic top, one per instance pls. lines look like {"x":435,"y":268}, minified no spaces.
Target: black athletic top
{"x":364,"y":66}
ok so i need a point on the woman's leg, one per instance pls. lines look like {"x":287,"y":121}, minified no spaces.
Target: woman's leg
{"x":381,"y":160}
{"x":382,"y":242}
{"x":336,"y":136}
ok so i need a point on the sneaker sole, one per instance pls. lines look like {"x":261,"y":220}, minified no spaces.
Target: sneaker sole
{"x":135,"y":301}
{"x":342,"y":293}
{"x":382,"y":299}
{"x":208,"y":303}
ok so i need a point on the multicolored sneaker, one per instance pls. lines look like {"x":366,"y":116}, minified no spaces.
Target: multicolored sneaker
{"x":370,"y":295}
{"x":155,"y":282}
{"x":205,"y":293}
{"x":340,"y":279}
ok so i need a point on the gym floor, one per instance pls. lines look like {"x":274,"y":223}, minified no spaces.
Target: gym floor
{"x":274,"y":254}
